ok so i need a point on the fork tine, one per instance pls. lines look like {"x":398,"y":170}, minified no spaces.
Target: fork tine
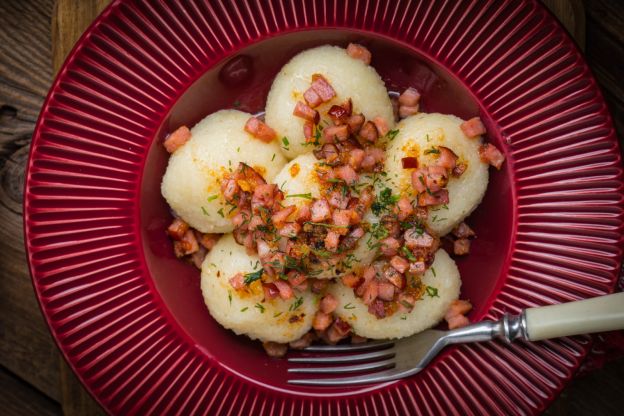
{"x":376,"y":365}
{"x":349,"y":347}
{"x":345,"y":358}
{"x":379,"y":377}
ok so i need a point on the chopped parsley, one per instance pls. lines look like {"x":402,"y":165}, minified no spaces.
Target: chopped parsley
{"x":276,"y":314}
{"x":392,"y":134}
{"x":432,"y":292}
{"x":407,"y":304}
{"x":306,"y":196}
{"x":432,"y":150}
{"x":212,"y":197}
{"x":230,"y":296}
{"x":273,"y":158}
{"x":298,"y":302}
{"x":204,"y":211}
{"x":384,"y":201}
{"x":220,"y":212}
{"x":259,"y":307}
{"x":410,"y":256}
{"x":285,"y":143}
{"x":244,"y":309}
{"x":326,"y":225}
{"x":434,"y":272}
{"x":253,"y":276}
{"x":349,"y":306}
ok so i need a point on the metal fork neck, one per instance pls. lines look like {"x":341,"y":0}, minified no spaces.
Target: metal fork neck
{"x":509,"y":328}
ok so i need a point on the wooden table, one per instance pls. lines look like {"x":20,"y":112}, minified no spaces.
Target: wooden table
{"x":35,"y":35}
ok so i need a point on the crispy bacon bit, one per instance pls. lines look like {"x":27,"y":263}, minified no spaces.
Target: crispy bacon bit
{"x":417,"y":267}
{"x":308,"y":132}
{"x":320,"y":210}
{"x":186,"y":245}
{"x":339,"y":330}
{"x":338,"y":200}
{"x":176,"y":139}
{"x":461,"y":246}
{"x":490,"y":154}
{"x":322,"y":87}
{"x":394,"y":277}
{"x":447,"y":159}
{"x":410,"y":97}
{"x":473,"y":127}
{"x":339,"y":114}
{"x":371,"y":290}
{"x":352,"y":238}
{"x":377,"y":308}
{"x":355,"y":158}
{"x":405,"y":208}
{"x":347,"y":174}
{"x":305,"y":112}
{"x":458,"y":321}
{"x":341,"y":218}
{"x":328,"y":304}
{"x":319,"y":285}
{"x":255,"y":222}
{"x":303,"y":213}
{"x":455,"y":316}
{"x":270,"y":291}
{"x":290,"y":230}
{"x":373,"y":157}
{"x":415,"y":238}
{"x":177,"y":229}
{"x":408,"y":110}
{"x":303,"y":342}
{"x":334,"y":134}
{"x":260,"y":130}
{"x":368,"y":133}
{"x":406,"y":302}
{"x":463,"y":231}
{"x":356,"y":339}
{"x":357,"y":51}
{"x":284,"y":288}
{"x":230,"y":189}
{"x":263,"y":196}
{"x":275,"y":350}
{"x":281,"y":216}
{"x":419,"y":180}
{"x":208,"y":241}
{"x":409,"y":162}
{"x":321,"y":321}
{"x":399,"y":263}
{"x":381,"y":125}
{"x":459,"y":170}
{"x":386,"y":291}
{"x":312,"y":97}
{"x":436,"y":178}
{"x":296,"y":278}
{"x":389,"y":246}
{"x":351,"y":280}
{"x":198,"y":257}
{"x":237,"y":281}
{"x":438,"y":198}
{"x":355,"y":123}
{"x":332,"y":239}
{"x":391,"y":224}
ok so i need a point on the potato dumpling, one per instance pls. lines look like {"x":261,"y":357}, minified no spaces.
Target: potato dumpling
{"x":419,"y":136}
{"x":350,"y":78}
{"x":427,"y":312}
{"x":192,"y":181}
{"x":246,"y":311}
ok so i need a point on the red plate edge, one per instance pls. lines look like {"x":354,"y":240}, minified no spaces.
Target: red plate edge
{"x":567,"y":43}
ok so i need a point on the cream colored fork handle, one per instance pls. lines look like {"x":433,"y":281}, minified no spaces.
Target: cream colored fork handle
{"x":603,"y":313}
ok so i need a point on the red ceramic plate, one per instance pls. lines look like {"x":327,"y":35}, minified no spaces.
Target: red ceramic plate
{"x":130,"y":318}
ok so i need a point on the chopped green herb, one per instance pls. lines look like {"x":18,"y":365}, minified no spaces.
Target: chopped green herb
{"x":384,"y":201}
{"x":285,"y":142}
{"x":407,"y":304}
{"x":434,"y":272}
{"x":392,"y":134}
{"x":238,"y":149}
{"x":230,"y":296}
{"x":410,"y":256}
{"x":306,"y":196}
{"x":444,"y":206}
{"x":432,"y":292}
{"x":349,"y":306}
{"x":276,"y":314}
{"x":326,"y":225}
{"x":259,"y":307}
{"x":220,"y":212}
{"x":321,"y":253}
{"x":253,"y":276}
{"x":204,"y":211}
{"x":273,"y":158}
{"x":432,"y":150}
{"x":212,"y":197}
{"x":404,"y":317}
{"x":298,"y":302}
{"x":244,"y":309}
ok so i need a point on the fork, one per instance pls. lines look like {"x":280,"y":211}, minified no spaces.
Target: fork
{"x":392,"y":360}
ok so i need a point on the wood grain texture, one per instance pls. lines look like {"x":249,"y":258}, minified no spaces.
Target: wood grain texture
{"x":20,"y":399}
{"x":571,"y":14}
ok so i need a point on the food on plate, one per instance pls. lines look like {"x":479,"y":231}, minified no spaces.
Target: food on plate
{"x":339,"y":78}
{"x":449,"y":175}
{"x":416,"y":309}
{"x":250,"y":307}
{"x":348,"y":239}
{"x":192,"y":182}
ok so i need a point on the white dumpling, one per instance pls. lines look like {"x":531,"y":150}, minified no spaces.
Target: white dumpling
{"x":350,"y":78}
{"x":191,"y":184}
{"x":247,"y":312}
{"x":427,"y":312}
{"x":299,"y":177}
{"x":422,"y":132}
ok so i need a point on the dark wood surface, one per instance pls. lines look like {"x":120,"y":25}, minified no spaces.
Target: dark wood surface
{"x":33,"y":378}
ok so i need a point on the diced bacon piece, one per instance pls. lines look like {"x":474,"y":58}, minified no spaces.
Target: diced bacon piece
{"x":338,"y":114}
{"x":281,"y":216}
{"x":473,"y":127}
{"x":341,"y":218}
{"x":463,"y":231}
{"x":348,"y":105}
{"x":490,"y":154}
{"x":312,"y":97}
{"x":321,"y":321}
{"x":230,"y":189}
{"x":260,"y":130}
{"x":372,"y":157}
{"x":322,"y":87}
{"x":386,"y":291}
{"x":394,"y":277}
{"x":406,"y":302}
{"x":332,"y":239}
{"x":356,"y":339}
{"x":417,"y":267}
{"x":408,"y":110}
{"x":176,"y":139}
{"x":395,"y":107}
{"x":357,"y":51}
{"x":237,"y":281}
{"x":304,"y":342}
{"x":458,"y":321}
{"x":355,"y":158}
{"x":338,"y":331}
{"x":351,"y":280}
{"x":338,"y":200}
{"x":368,"y":132}
{"x":459,"y":170}
{"x":241,"y":217}
{"x":377,"y":308}
{"x":296,"y":278}
{"x":263,"y":196}
{"x":461,"y":246}
{"x":438,"y":198}
{"x":371,"y":290}
{"x":416,"y":238}
{"x":347,"y":174}
{"x":186,"y":245}
{"x":409,"y":162}
{"x":249,"y":243}
{"x":303,"y":213}
{"x":405,"y":208}
{"x":389,"y":246}
{"x":270,"y":291}
{"x":319,"y":285}
{"x":399,"y":263}
{"x":177,"y":229}
{"x":381,"y":125}
{"x":284,"y":288}
{"x":447,"y":158}
{"x":436,"y":178}
{"x":352,"y":238}
{"x":290,"y":230}
{"x":249,"y":175}
{"x":458,"y":307}
{"x":255,"y":222}
{"x":333,"y":134}
{"x":410,"y":97}
{"x":391,"y":224}
{"x":328,"y":304}
{"x":198,"y":257}
{"x":263,"y":248}
{"x":274,"y":349}
{"x":355,"y":123}
{"x":308,"y":132}
{"x":208,"y":240}
{"x":328,"y":151}
{"x":320,"y":210}
{"x":419,"y":180}
{"x":304,"y":111}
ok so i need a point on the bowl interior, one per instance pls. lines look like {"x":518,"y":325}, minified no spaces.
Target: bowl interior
{"x":242,"y":81}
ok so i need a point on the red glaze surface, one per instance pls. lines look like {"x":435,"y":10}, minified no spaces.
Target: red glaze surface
{"x":130,"y":318}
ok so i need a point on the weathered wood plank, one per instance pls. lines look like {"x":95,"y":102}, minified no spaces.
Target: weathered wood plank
{"x":19,"y":398}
